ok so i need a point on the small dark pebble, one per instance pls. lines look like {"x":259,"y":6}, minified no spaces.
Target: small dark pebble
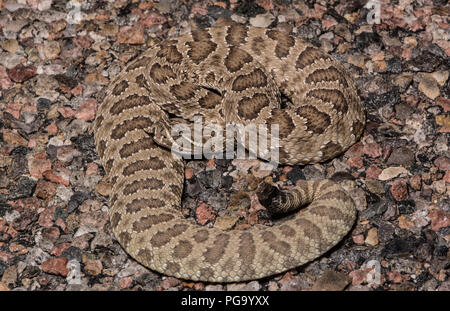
{"x":372,"y":198}
{"x":3,"y":267}
{"x":76,"y":200}
{"x":73,"y":253}
{"x":295,"y":174}
{"x":26,"y":218}
{"x":391,"y":211}
{"x":362,"y":257}
{"x":441,"y":251}
{"x":52,"y":151}
{"x":3,"y":206}
{"x":388,"y":130}
{"x":24,"y":188}
{"x":60,"y":212}
{"x":22,"y":238}
{"x":213,"y":198}
{"x":210,"y":179}
{"x":364,"y":39}
{"x":375,"y":101}
{"x":399,"y":246}
{"x":17,"y":259}
{"x":97,"y":5}
{"x":406,"y":207}
{"x":19,"y":166}
{"x":437,"y":264}
{"x":417,"y":169}
{"x":126,"y":10}
{"x":385,"y":231}
{"x":446,"y":90}
{"x":28,"y":128}
{"x":249,"y":9}
{"x":218,"y":11}
{"x":222,"y":164}
{"x":227,"y":182}
{"x":86,"y":145}
{"x":423,"y":157}
{"x":426,"y":193}
{"x":20,"y":150}
{"x":4,"y":180}
{"x":444,"y":231}
{"x":423,"y":251}
{"x":148,"y":280}
{"x":331,"y":281}
{"x":311,"y":172}
{"x":30,"y":272}
{"x":427,"y":61}
{"x":374,"y":210}
{"x":440,"y":2}
{"x":339,"y":18}
{"x":394,"y":65}
{"x":341,"y":176}
{"x":436,"y":50}
{"x":204,"y":21}
{"x":401,"y":156}
{"x":43,"y":104}
{"x":353,"y":5}
{"x":72,"y":71}
{"x":403,"y":111}
{"x":192,"y":186}
{"x":430,"y":235}
{"x":405,"y":286}
{"x":422,"y":278}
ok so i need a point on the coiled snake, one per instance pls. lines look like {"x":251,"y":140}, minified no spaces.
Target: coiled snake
{"x":232,"y":73}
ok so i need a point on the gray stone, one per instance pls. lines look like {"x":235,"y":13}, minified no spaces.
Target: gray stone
{"x":401,"y":156}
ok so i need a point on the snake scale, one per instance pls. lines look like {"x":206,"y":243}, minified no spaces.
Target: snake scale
{"x":227,"y":73}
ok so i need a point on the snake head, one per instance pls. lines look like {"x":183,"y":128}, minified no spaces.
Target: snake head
{"x":267,"y":193}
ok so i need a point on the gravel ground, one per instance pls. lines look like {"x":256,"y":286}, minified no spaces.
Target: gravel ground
{"x":57,"y":56}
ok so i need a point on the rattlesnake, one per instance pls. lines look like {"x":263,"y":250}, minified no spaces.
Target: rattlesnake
{"x":228,"y":73}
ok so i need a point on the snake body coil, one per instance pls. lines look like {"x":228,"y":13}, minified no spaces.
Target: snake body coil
{"x":249,"y":67}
